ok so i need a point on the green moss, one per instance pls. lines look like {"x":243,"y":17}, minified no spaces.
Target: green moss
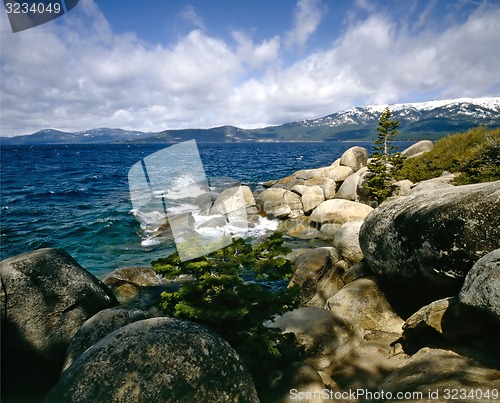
{"x":474,"y":155}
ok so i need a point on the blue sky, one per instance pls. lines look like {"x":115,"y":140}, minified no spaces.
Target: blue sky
{"x":151,"y":65}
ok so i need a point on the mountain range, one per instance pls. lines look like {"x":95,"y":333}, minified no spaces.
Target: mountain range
{"x":418,"y":121}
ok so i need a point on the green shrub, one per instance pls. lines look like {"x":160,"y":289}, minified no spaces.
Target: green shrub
{"x":233,"y":292}
{"x":475,"y":155}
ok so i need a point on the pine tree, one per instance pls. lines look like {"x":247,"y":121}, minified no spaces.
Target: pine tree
{"x":385,"y":161}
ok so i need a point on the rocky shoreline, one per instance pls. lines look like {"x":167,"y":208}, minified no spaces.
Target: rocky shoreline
{"x":403,"y":298}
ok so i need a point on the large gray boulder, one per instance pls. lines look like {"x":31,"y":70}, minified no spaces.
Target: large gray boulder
{"x":158,"y":359}
{"x":355,"y":158}
{"x":349,"y":188}
{"x":45,"y":297}
{"x":99,"y":326}
{"x":481,"y":288}
{"x":433,"y":239}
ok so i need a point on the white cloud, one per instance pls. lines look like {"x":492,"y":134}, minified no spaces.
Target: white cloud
{"x":308,"y":16}
{"x":190,"y":15}
{"x":79,"y":74}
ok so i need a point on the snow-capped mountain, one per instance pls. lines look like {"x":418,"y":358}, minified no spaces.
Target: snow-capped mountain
{"x":417,"y":120}
{"x":421,"y":120}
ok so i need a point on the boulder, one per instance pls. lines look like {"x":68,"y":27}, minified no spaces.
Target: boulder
{"x":367,"y":365}
{"x":215,"y":222}
{"x":99,"y":326}
{"x":300,"y":227}
{"x":336,"y":163}
{"x":433,"y":239}
{"x":312,"y":197}
{"x":45,"y":297}
{"x":233,"y":199}
{"x":158,"y":359}
{"x":401,"y":188}
{"x":136,"y":276}
{"x":280,"y":203}
{"x":443,"y":181}
{"x":205,"y":202}
{"x":443,"y":319}
{"x":354,"y":158}
{"x":328,"y":185}
{"x":289,"y":181}
{"x":349,"y":189}
{"x":329,"y":230}
{"x":439,"y":372}
{"x":312,"y":272}
{"x":481,"y":288}
{"x":324,"y":336}
{"x":346,"y":241}
{"x":338,"y":174}
{"x":339,"y":211}
{"x":418,"y":148}
{"x":363,"y":304}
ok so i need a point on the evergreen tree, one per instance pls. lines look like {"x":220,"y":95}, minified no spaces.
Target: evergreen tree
{"x":234,"y":291}
{"x":385,"y":161}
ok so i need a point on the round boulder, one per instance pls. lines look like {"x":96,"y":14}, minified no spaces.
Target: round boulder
{"x":354,"y":158}
{"x":481,"y":287}
{"x":158,"y":359}
{"x":418,"y":148}
{"x":99,"y":326}
{"x":433,"y":239}
{"x":45,"y":297}
{"x":340,"y":211}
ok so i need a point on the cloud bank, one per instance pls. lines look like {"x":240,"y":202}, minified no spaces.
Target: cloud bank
{"x":79,"y":74}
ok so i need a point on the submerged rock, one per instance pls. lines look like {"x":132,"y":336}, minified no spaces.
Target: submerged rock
{"x":158,"y":359}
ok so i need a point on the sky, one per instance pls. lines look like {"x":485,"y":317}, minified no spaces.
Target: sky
{"x":153,"y":65}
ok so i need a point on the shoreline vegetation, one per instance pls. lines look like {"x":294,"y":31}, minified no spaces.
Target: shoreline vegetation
{"x":402,"y":296}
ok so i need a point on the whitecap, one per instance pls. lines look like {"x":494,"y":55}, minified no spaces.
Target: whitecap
{"x":150,"y":242}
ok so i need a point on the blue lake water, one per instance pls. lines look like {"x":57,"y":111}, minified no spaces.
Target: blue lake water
{"x":76,"y":197}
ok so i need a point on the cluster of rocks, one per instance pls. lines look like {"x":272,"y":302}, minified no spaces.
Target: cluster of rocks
{"x":418,"y":309}
{"x":402,"y":298}
{"x":66,"y":339}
